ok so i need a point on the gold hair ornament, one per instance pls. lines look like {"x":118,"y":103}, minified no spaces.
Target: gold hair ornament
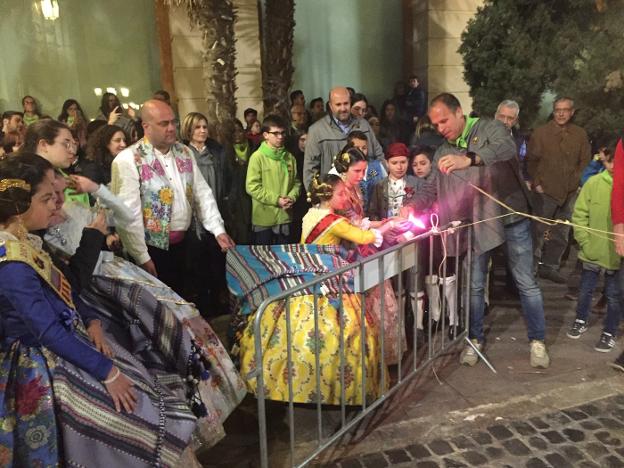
{"x":6,"y":184}
{"x":322,"y":190}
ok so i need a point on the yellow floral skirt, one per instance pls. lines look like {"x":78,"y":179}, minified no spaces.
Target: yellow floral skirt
{"x":275,"y":358}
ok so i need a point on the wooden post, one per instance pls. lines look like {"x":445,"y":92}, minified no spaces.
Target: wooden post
{"x":161,"y":12}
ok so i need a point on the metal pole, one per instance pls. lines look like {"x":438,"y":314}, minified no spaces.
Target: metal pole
{"x":429,"y":317}
{"x":363,"y":334}
{"x":343,"y":413}
{"x":444,"y":239}
{"x":317,"y":359}
{"x":415,"y":274}
{"x":382,"y":335}
{"x":400,"y":312}
{"x":291,"y":408}
{"x":262,"y":430}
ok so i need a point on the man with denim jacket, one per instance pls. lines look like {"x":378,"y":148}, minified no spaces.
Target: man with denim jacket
{"x":481,"y":152}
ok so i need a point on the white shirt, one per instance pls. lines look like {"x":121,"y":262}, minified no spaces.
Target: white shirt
{"x":396,"y":192}
{"x":126,"y":184}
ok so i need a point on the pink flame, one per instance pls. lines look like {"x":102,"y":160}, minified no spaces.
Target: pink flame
{"x":417,"y":222}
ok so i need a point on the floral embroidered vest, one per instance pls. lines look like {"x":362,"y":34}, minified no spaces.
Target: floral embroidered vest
{"x":156,"y":193}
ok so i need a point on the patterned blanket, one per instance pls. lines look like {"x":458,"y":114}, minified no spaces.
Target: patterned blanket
{"x":257,"y":272}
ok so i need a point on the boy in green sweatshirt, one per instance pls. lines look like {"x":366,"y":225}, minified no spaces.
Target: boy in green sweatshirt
{"x":593,"y":209}
{"x":272,"y":184}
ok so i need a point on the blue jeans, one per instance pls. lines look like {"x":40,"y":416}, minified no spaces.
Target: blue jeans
{"x":589,"y":278}
{"x":519,"y":250}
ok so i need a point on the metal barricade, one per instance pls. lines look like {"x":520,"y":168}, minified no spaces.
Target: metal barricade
{"x":397,"y":263}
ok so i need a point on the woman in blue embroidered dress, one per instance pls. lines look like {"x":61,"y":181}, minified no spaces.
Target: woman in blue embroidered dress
{"x":126,"y":297}
{"x":62,"y":401}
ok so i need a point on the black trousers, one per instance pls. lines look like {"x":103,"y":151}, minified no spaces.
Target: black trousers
{"x":171,"y":266}
{"x":206,"y":274}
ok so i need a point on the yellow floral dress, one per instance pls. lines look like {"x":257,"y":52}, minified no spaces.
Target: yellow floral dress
{"x":273,"y":334}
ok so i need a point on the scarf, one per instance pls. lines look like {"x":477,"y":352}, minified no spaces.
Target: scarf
{"x":240,"y":149}
{"x":278,"y":154}
{"x":462,"y":141}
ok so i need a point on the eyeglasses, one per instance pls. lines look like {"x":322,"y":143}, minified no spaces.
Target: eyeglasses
{"x":70,"y":145}
{"x":278,"y":133}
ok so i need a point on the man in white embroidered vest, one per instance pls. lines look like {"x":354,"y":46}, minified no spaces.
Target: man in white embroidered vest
{"x":158,"y":179}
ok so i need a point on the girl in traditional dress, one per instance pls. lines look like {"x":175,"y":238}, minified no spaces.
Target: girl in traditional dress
{"x":62,"y":401}
{"x":321,"y":225}
{"x":351,"y":166}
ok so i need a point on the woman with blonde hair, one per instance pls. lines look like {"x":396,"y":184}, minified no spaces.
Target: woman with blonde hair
{"x":210,"y":158}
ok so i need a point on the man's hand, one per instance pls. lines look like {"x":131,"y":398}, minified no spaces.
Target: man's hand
{"x":225,"y":242}
{"x":150,"y":268}
{"x":538,"y":188}
{"x":619,"y":239}
{"x":453,"y":162}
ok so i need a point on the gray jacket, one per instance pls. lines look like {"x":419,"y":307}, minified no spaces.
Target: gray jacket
{"x":499,"y":176}
{"x":326,"y":139}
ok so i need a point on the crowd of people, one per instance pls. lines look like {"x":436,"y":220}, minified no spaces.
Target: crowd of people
{"x":114,"y":234}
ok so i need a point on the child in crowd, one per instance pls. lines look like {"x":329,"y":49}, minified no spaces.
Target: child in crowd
{"x":399,"y":190}
{"x":421,"y":162}
{"x":402,"y":195}
{"x":597,"y":252}
{"x":254,"y":135}
{"x":272,"y":184}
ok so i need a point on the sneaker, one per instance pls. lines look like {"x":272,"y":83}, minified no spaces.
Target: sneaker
{"x":618,"y":363}
{"x":468,"y":356}
{"x":539,"y":355}
{"x":606,"y":343}
{"x":552,"y":275}
{"x":578,"y":328}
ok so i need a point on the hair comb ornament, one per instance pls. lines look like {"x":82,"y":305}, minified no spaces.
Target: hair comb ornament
{"x":6,"y":184}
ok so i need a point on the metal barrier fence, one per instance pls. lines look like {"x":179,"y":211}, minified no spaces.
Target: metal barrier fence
{"x":401,"y":263}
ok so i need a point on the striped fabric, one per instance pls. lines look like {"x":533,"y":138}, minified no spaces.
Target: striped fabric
{"x":94,"y":434}
{"x":163,"y":331}
{"x":256,"y":272}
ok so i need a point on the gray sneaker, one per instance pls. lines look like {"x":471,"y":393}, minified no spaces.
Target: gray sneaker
{"x":468,"y":356}
{"x":606,"y":343}
{"x":578,"y":328}
{"x":539,"y":355}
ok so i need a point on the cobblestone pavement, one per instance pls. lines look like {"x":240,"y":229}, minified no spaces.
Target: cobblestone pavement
{"x":588,"y":436}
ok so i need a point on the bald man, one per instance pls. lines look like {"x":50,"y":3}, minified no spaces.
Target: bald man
{"x":328,"y":135}
{"x":158,"y":179}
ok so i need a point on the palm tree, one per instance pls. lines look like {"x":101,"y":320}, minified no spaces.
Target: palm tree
{"x":277,"y":66}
